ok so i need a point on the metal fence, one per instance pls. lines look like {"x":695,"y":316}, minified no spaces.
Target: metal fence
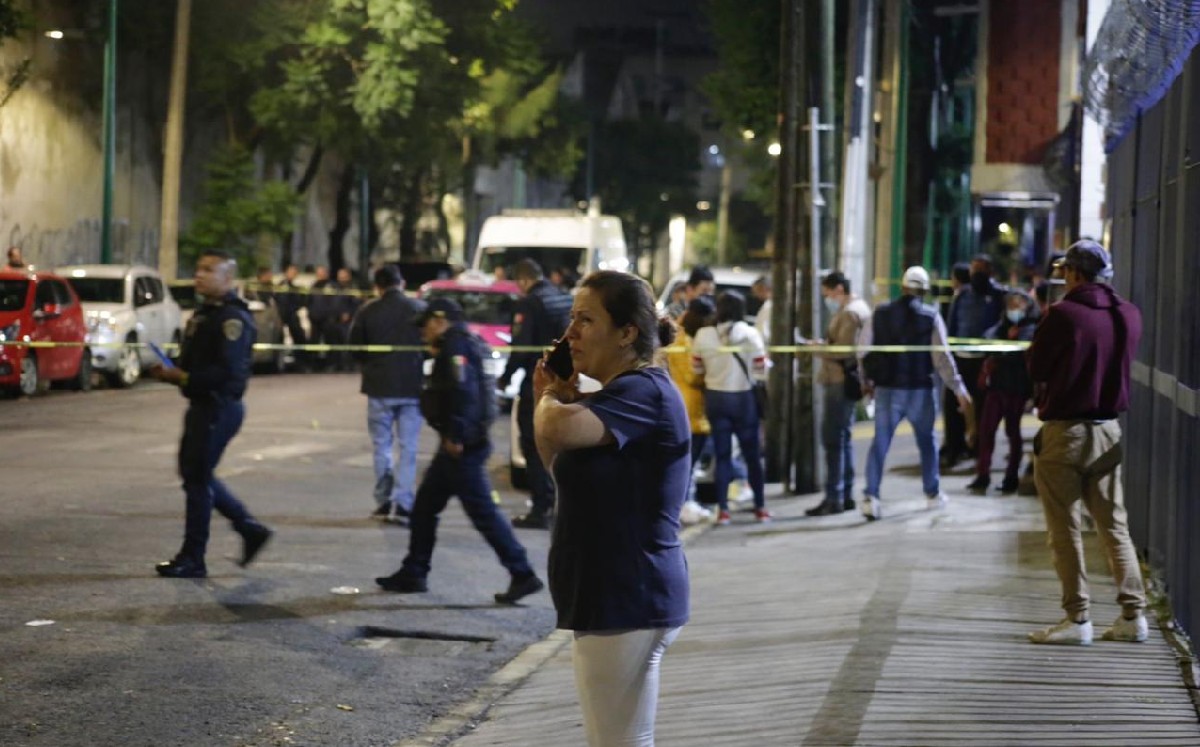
{"x":1154,"y":198}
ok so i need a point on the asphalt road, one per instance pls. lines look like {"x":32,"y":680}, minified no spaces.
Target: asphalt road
{"x":269,"y":655}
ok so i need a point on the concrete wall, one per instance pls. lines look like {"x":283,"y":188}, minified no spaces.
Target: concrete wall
{"x":51,"y":161}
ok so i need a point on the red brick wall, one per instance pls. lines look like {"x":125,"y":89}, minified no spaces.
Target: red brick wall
{"x":1024,"y":39}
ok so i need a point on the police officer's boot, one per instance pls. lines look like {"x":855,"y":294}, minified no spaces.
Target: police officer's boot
{"x":254,"y":536}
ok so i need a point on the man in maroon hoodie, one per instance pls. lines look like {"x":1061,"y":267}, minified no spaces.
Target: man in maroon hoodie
{"x":1079,"y":362}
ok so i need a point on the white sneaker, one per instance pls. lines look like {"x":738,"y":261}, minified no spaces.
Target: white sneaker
{"x":1066,"y":633}
{"x":1124,"y":629}
{"x":870,"y":507}
{"x":935,"y":502}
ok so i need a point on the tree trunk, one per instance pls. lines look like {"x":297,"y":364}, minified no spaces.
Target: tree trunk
{"x":410,"y":210}
{"x":341,"y":220}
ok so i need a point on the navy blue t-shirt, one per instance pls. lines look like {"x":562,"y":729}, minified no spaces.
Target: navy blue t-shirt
{"x":616,"y":562}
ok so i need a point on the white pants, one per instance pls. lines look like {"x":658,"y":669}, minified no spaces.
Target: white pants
{"x":616,"y":674}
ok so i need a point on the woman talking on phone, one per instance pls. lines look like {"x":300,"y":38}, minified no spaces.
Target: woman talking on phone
{"x":621,"y":457}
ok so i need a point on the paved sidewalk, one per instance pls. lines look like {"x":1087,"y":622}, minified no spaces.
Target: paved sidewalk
{"x":906,"y":631}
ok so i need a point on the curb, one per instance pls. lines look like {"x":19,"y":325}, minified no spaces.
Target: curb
{"x":462,"y":718}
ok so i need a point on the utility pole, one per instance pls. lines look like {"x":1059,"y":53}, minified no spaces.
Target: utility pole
{"x":168,"y":246}
{"x":109,"y":115}
{"x":723,"y":210}
{"x":829,"y":164}
{"x":791,"y":448}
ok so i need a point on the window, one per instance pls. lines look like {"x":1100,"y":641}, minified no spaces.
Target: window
{"x":12,"y":294}
{"x":44,"y":295}
{"x":143,"y":293}
{"x":62,"y":294}
{"x":100,"y":290}
{"x":156,"y":289}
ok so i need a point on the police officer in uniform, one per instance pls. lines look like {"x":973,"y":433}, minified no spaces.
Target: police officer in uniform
{"x":214,"y":365}
{"x":459,"y":402}
{"x":541,"y":316}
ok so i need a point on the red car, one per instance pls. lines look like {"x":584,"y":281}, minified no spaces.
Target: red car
{"x":41,"y":307}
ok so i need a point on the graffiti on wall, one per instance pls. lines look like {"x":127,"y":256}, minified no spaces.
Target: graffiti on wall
{"x":80,"y":243}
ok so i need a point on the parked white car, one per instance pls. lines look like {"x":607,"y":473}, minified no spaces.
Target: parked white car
{"x":124,"y":303}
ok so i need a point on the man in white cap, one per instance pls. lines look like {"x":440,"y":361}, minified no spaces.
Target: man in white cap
{"x":904,"y":383}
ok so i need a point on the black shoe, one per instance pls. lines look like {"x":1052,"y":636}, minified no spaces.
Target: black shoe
{"x":254,"y":536}
{"x":1010,"y":485}
{"x":181,"y":568}
{"x":384,"y":486}
{"x":532,"y":520}
{"x":400,"y":516}
{"x":979,"y":485}
{"x":825,"y":508}
{"x":384,"y":510}
{"x":519,"y":589}
{"x":848,"y":504}
{"x":402,"y":583}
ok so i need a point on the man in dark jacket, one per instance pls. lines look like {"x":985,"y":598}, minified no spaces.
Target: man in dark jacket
{"x":540,"y":317}
{"x":1079,"y":362}
{"x":392,"y":382}
{"x":1005,"y":387}
{"x":290,"y":298}
{"x":978,"y":307}
{"x":214,"y":366}
{"x":459,"y":404}
{"x":906,"y":384}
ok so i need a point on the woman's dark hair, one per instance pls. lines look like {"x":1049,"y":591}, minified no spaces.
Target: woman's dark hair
{"x":700,"y":313}
{"x":731,"y":307}
{"x":629,"y":300}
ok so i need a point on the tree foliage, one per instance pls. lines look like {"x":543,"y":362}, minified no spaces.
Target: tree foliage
{"x":12,"y":21}
{"x":239,"y":213}
{"x":646,"y":171}
{"x":744,"y":89}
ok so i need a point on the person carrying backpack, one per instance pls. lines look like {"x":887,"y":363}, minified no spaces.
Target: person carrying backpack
{"x":459,"y":403}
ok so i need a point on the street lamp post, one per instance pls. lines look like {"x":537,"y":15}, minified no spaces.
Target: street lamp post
{"x":110,"y":133}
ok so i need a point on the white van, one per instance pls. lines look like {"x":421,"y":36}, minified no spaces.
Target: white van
{"x":552,"y":238}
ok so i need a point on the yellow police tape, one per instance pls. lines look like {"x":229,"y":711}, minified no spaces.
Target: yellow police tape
{"x":956,"y":345}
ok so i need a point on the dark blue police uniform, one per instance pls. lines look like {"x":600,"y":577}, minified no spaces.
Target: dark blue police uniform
{"x":216,"y":357}
{"x":539,"y":318}
{"x":455,"y":403}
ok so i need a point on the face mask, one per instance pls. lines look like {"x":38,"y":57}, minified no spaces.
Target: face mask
{"x":833,"y":305}
{"x":1015,"y":315}
{"x":980,"y":281}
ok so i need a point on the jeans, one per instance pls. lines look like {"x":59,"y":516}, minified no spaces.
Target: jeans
{"x":919,"y":407}
{"x":1079,"y":461}
{"x":390,"y":419}
{"x":839,"y":448}
{"x":541,"y":483}
{"x":734,"y":414}
{"x":616,"y":674}
{"x":208,"y":427}
{"x":466,"y":477}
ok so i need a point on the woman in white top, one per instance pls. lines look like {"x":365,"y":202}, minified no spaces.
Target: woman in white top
{"x":729,"y":401}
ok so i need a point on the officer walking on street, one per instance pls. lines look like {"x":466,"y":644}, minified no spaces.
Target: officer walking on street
{"x":540,"y":317}
{"x":214,"y":366}
{"x":459,"y":403}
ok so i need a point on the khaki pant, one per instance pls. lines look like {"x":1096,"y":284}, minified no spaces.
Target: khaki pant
{"x":1081,"y":460}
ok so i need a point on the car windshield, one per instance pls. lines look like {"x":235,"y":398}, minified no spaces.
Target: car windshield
{"x":549,"y":257}
{"x":12,"y":294}
{"x":479,"y":307}
{"x":99,"y":290}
